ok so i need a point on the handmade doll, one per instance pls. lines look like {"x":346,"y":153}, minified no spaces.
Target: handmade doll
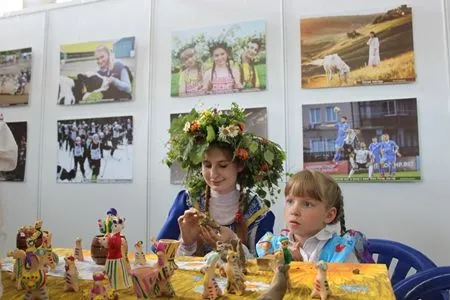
{"x":321,"y":288}
{"x":139,"y":255}
{"x":71,"y":274}
{"x":78,"y":251}
{"x":117,"y":268}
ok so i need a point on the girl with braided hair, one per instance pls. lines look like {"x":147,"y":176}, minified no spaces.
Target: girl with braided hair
{"x":226,"y":174}
{"x":223,"y":77}
{"x":314,"y":213}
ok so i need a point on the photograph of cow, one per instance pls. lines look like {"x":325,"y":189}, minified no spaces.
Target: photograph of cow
{"x":95,"y":150}
{"x":354,"y":50}
{"x":97,"y":72}
{"x":15,"y":76}
{"x":256,"y":123}
{"x":19,"y":131}
{"x":366,"y":141}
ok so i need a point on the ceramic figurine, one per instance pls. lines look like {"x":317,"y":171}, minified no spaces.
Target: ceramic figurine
{"x":19,"y":263}
{"x":280,"y":283}
{"x":139,"y":255}
{"x":235,"y":277}
{"x":105,"y":226}
{"x":117,"y":268}
{"x":165,"y":271}
{"x":98,"y":291}
{"x":33,"y":279}
{"x":265,"y":247}
{"x":284,"y":246}
{"x":211,"y":289}
{"x":78,"y":251}
{"x":321,"y":288}
{"x":71,"y":274}
{"x":236,"y":246}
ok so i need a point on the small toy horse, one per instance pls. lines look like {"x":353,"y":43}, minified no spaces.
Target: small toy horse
{"x":321,"y":288}
{"x":211,"y":290}
{"x":78,"y":251}
{"x":139,"y":255}
{"x":71,"y":274}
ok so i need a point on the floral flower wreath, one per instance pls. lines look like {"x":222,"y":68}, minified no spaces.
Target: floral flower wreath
{"x":192,"y":133}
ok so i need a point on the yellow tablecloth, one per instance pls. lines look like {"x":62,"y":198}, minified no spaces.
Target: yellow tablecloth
{"x":369,"y":281}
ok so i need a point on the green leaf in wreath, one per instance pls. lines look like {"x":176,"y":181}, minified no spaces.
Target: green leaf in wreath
{"x":253,"y":147}
{"x":268,"y":156}
{"x":211,"y":135}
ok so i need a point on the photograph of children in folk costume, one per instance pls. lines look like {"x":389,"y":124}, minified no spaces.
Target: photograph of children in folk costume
{"x":363,"y":141}
{"x":359,"y":49}
{"x":15,"y":76}
{"x":95,"y":150}
{"x":219,"y":60}
{"x":97,"y":72}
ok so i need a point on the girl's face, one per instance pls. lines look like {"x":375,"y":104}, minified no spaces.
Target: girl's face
{"x":220,"y":56}
{"x":102,"y":59}
{"x":190,"y":62}
{"x":219,"y":171}
{"x":252,"y":50}
{"x":305,"y":216}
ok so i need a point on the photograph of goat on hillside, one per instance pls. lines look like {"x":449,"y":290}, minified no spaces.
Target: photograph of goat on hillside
{"x":355,"y":50}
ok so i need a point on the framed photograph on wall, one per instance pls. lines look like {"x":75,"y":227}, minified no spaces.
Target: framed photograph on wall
{"x":354,"y":50}
{"x":19,"y":131}
{"x":219,"y":59}
{"x":95,"y":150}
{"x":15,"y":76}
{"x":256,"y":122}
{"x":367,"y":141}
{"x":97,"y":72}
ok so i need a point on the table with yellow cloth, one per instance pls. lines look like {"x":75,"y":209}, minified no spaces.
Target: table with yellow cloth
{"x":347,"y":281}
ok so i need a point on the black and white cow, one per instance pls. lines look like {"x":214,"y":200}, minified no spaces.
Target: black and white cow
{"x":73,"y":91}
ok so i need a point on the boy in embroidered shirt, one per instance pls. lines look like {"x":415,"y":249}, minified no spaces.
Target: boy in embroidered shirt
{"x":314,"y":212}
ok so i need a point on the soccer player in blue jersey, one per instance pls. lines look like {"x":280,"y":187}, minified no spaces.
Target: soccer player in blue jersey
{"x":342,"y":128}
{"x":389,"y":152}
{"x":375,"y":155}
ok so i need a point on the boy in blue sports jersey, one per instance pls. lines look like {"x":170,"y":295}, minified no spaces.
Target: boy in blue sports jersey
{"x":375,"y":155}
{"x":389,"y":152}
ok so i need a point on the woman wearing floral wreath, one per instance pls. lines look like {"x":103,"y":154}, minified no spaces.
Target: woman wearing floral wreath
{"x":229,"y":171}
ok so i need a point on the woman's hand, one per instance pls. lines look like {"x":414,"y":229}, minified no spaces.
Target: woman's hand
{"x":189,"y":226}
{"x":211,"y":236}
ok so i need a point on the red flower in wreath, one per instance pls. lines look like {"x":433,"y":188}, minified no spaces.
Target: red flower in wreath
{"x":195,"y":125}
{"x":238,"y":217}
{"x":264,"y":167}
{"x":241,"y":126}
{"x":242,"y":153}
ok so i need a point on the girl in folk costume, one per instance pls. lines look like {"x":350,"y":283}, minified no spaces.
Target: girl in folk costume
{"x":191,"y":78}
{"x":223,"y":77}
{"x":117,"y":268}
{"x":249,"y":74}
{"x":8,"y":162}
{"x":374,"y":50}
{"x":227,"y":172}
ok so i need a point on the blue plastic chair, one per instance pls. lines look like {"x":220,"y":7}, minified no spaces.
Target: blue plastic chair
{"x":407,"y":258}
{"x":432,"y":284}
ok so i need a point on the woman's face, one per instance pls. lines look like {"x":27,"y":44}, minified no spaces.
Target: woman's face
{"x":220,"y":56}
{"x":219,"y":171}
{"x":102,"y":59}
{"x":252,"y":50}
